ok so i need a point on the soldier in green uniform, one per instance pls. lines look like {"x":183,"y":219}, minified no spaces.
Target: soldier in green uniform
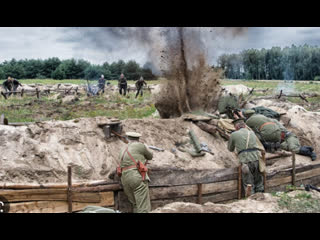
{"x":122,"y":84}
{"x":136,"y":189}
{"x":274,"y":135}
{"x":244,"y":141}
{"x":139,"y":85}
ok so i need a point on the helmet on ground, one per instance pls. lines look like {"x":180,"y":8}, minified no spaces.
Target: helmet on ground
{"x":133,"y":134}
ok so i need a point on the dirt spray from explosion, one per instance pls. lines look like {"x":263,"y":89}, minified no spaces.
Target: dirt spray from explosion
{"x":193,"y":85}
{"x":180,"y":54}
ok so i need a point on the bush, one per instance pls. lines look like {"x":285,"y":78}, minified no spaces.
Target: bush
{"x":40,"y":76}
{"x":317,"y":78}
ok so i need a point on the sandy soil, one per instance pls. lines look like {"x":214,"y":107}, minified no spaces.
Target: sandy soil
{"x":257,"y":203}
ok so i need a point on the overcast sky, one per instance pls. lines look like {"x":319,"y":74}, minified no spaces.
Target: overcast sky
{"x":96,"y":47}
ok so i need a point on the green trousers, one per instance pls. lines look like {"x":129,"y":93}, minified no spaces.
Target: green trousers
{"x":291,"y":143}
{"x":136,"y":190}
{"x":251,"y":175}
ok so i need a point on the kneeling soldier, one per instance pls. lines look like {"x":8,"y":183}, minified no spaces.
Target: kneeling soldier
{"x":274,"y":135}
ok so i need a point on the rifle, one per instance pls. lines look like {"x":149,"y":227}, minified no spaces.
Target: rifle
{"x":231,"y":111}
{"x":124,"y":139}
{"x":156,"y":148}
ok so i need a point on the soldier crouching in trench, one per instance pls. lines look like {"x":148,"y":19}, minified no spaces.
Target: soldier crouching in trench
{"x":135,"y":183}
{"x":274,"y":135}
{"x":245,"y":143}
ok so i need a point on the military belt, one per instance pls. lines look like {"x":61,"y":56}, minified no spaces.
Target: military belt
{"x":126,"y":168}
{"x":248,"y":150}
{"x":267,"y":123}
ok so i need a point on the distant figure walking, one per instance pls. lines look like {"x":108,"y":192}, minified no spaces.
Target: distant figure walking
{"x":102,"y":83}
{"x":139,"y":86}
{"x":11,"y":85}
{"x":122,"y":84}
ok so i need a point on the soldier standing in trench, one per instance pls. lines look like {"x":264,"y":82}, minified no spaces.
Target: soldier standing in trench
{"x":245,"y":143}
{"x":135,"y":186}
{"x":273,"y":135}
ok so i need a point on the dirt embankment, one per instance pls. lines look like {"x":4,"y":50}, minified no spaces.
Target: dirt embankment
{"x":257,"y":203}
{"x":40,"y":153}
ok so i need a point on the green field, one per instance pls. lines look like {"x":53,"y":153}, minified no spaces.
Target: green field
{"x":31,"y":109}
{"x":299,"y":86}
{"x":72,"y":81}
{"x":111,"y":104}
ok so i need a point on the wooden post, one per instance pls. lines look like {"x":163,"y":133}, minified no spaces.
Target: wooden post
{"x":239,"y":181}
{"x":199,"y":193}
{"x":248,"y":190}
{"x":116,"y":200}
{"x":263,"y":153}
{"x":293,"y":168}
{"x":3,"y":120}
{"x":38,"y":93}
{"x":69,"y":189}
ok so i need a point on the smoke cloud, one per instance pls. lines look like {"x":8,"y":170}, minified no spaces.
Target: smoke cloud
{"x":148,"y":43}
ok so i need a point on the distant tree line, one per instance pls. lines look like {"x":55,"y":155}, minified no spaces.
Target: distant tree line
{"x":289,"y":63}
{"x":73,"y":69}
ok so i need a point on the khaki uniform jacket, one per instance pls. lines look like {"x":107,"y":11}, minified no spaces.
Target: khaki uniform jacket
{"x":238,"y":142}
{"x":138,"y":151}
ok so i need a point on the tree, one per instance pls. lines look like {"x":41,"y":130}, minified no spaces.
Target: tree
{"x":49,"y":66}
{"x":2,"y":73}
{"x":93,"y":72}
{"x":59,"y":73}
{"x":147,"y":74}
{"x":13,"y":69}
{"x":132,"y":70}
{"x":106,"y":71}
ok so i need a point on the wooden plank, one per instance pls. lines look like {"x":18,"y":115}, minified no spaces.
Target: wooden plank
{"x":239,"y":181}
{"x":313,"y":180}
{"x":199,"y":193}
{"x":293,"y":168}
{"x":271,"y":159}
{"x":299,"y":176}
{"x":58,"y":185}
{"x":176,"y":176}
{"x":48,"y":195}
{"x":191,"y":190}
{"x":173,"y":192}
{"x":58,"y":206}
{"x":69,"y":189}
{"x":288,"y":171}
